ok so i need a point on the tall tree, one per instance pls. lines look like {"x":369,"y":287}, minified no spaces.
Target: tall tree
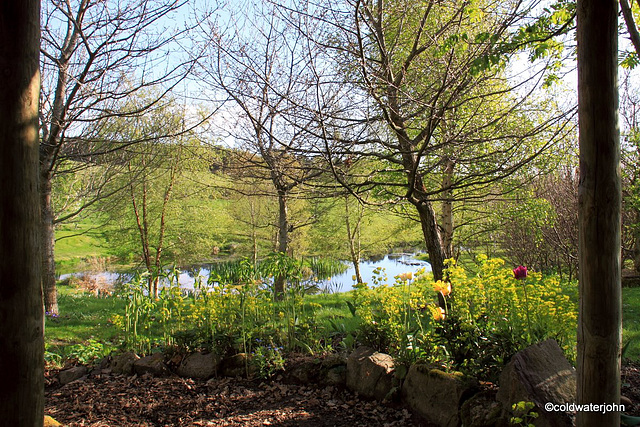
{"x":260,"y":69}
{"x":599,"y":322}
{"x":22,"y":324}
{"x":447,"y":132}
{"x":95,"y":54}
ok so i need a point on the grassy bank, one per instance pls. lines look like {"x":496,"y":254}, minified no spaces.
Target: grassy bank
{"x":80,"y":247}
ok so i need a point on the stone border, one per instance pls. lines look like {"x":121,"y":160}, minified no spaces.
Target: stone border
{"x":538,"y":374}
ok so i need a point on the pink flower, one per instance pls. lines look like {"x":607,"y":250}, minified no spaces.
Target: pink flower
{"x":520,"y":272}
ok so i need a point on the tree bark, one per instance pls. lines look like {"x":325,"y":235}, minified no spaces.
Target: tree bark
{"x":599,"y":322}
{"x":447,"y":208}
{"x":354,"y":239}
{"x":21,"y":305}
{"x":432,"y":238}
{"x":283,"y":240}
{"x":47,"y":234}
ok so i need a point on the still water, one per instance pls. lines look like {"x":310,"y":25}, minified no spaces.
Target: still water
{"x":393,"y":264}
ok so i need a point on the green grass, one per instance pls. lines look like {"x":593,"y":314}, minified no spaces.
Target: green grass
{"x":631,"y":322}
{"x":83,"y":318}
{"x":77,"y":244}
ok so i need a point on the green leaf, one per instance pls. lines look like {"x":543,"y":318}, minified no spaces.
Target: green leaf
{"x":352,"y":308}
{"x":627,"y":420}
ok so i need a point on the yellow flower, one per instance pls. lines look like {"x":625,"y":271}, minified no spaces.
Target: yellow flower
{"x":438,"y":314}
{"x":443,"y":287}
{"x":405,"y":276}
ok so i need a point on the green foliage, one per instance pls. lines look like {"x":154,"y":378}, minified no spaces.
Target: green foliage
{"x":524,"y":415}
{"x":88,"y":352}
{"x":497,"y":315}
{"x":268,"y":360}
{"x":489,"y":316}
{"x":231,"y":311}
{"x":627,"y":420}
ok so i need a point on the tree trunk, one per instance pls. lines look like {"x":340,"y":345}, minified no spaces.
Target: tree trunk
{"x":21,"y":304}
{"x":432,"y":238}
{"x":447,"y":209}
{"x":283,"y":240}
{"x":47,"y":235}
{"x":354,"y":239}
{"x":599,"y":322}
{"x":636,"y":243}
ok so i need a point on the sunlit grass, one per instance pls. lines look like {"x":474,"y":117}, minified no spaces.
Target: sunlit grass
{"x":82,"y":318}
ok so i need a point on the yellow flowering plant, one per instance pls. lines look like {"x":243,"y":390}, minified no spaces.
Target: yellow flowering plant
{"x":499,"y":311}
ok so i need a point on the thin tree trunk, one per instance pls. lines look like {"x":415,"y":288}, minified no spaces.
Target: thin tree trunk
{"x":163,"y":224}
{"x":254,"y":233}
{"x":636,"y":244}
{"x":354,"y":239}
{"x":21,"y":303}
{"x":47,"y":235}
{"x":142,"y":228}
{"x":283,"y":240}
{"x":599,"y":321}
{"x":447,"y":209}
{"x":48,"y":153}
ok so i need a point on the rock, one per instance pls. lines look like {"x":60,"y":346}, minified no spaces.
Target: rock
{"x":539,"y":374}
{"x":304,"y":371}
{"x":105,"y":362}
{"x":436,"y":395}
{"x":336,"y":376}
{"x":370,"y":373}
{"x":153,"y":365}
{"x":482,"y":410}
{"x":72,"y":374}
{"x":50,"y":422}
{"x":199,"y":365}
{"x":334,"y":370}
{"x":123,"y":363}
{"x":333,"y":360}
{"x":237,"y":366}
{"x":630,"y":278}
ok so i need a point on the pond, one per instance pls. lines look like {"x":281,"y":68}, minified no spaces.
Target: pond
{"x":393,"y":264}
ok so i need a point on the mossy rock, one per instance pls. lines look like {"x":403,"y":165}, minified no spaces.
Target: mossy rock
{"x":50,"y":422}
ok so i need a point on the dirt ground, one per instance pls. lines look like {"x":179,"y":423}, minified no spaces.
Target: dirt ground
{"x":114,"y":400}
{"x":109,"y":400}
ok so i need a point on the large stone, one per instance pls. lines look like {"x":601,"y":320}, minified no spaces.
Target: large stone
{"x":436,"y":395}
{"x":123,"y":363}
{"x":238,"y":365}
{"x":153,"y":365}
{"x":302,"y":371}
{"x":72,"y":374}
{"x":199,"y":365}
{"x":336,"y":376}
{"x":539,"y":374}
{"x":370,"y":373}
{"x":482,"y":410}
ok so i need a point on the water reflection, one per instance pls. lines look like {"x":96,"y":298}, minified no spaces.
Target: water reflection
{"x":393,"y":264}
